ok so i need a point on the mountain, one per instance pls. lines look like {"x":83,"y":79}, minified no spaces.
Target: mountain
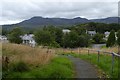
{"x":106,"y":20}
{"x":37,"y":21}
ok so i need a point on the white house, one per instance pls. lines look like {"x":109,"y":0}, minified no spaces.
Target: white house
{"x":107,"y":34}
{"x":3,"y":38}
{"x":28,"y":39}
{"x":92,"y":33}
{"x":65,"y":31}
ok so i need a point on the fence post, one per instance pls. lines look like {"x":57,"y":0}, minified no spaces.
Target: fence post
{"x":98,"y":56}
{"x":88,"y":52}
{"x":78,"y":50}
{"x":112,"y":62}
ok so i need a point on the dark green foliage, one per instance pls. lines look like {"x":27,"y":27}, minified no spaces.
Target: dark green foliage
{"x":54,"y":44}
{"x":111,"y":39}
{"x":14,"y":35}
{"x":98,"y":38}
{"x":101,"y":27}
{"x":79,"y":30}
{"x":43,"y":37}
{"x":70,"y":40}
{"x":19,"y":67}
{"x":118,"y":37}
{"x":118,"y":41}
{"x":55,"y":32}
{"x":73,"y":40}
{"x":84,"y":41}
{"x":5,"y":32}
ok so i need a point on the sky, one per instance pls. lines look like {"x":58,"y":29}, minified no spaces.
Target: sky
{"x":15,"y":11}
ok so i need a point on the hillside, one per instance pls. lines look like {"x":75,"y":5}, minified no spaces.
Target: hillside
{"x":37,"y":21}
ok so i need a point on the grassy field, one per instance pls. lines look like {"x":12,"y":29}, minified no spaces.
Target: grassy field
{"x":104,"y":64}
{"x":110,"y":49}
{"x":28,"y":62}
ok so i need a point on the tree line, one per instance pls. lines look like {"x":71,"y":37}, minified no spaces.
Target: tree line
{"x":54,"y":37}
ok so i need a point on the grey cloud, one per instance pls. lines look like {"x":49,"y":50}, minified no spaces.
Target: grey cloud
{"x":21,"y":10}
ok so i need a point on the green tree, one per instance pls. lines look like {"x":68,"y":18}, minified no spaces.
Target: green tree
{"x":4,"y":32}
{"x":70,"y":40}
{"x":43,"y":38}
{"x":55,"y":32}
{"x":79,"y":30}
{"x":111,"y":39}
{"x":98,"y":38}
{"x":118,"y":41}
{"x":83,"y":41}
{"x":14,"y":35}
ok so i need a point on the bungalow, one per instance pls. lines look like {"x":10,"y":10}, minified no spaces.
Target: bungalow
{"x":3,"y":38}
{"x":28,"y":39}
{"x":91,"y":33}
{"x":65,"y":31}
{"x":107,"y":34}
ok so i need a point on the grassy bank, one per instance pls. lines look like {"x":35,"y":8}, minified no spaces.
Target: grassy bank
{"x":59,"y":67}
{"x":27,"y":62}
{"x":104,"y":64}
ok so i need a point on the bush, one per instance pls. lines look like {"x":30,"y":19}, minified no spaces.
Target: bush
{"x":54,"y":44}
{"x":111,"y":39}
{"x":98,"y":38}
{"x":14,"y":35}
{"x":19,"y":67}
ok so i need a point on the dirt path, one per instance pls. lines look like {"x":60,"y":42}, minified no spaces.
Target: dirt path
{"x":83,"y":68}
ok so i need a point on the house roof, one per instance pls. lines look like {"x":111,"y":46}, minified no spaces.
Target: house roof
{"x":107,"y":33}
{"x":27,"y":37}
{"x":65,"y":30}
{"x":91,"y":32}
{"x":3,"y":37}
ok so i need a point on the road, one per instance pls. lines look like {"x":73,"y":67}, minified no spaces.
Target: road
{"x":98,"y":46}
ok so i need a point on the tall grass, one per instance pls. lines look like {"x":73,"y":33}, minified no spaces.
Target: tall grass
{"x":110,"y":49}
{"x":27,"y":54}
{"x":28,"y":62}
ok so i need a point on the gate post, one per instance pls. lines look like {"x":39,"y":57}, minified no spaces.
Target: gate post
{"x":112,"y":68}
{"x":88,"y":52}
{"x":98,"y":57}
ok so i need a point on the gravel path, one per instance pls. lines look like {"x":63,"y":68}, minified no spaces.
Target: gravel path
{"x":83,"y":69}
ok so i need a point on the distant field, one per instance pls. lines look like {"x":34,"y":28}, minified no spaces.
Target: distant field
{"x":111,"y":49}
{"x":85,"y":50}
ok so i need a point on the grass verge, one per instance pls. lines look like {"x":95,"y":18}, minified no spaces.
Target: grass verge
{"x":59,"y":67}
{"x":104,"y":64}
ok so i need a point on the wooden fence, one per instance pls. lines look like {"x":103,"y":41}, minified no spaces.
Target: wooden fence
{"x":98,"y":52}
{"x":113,"y":55}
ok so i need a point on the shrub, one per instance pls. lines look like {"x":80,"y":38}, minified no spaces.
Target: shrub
{"x":111,"y":39}
{"x":19,"y":67}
